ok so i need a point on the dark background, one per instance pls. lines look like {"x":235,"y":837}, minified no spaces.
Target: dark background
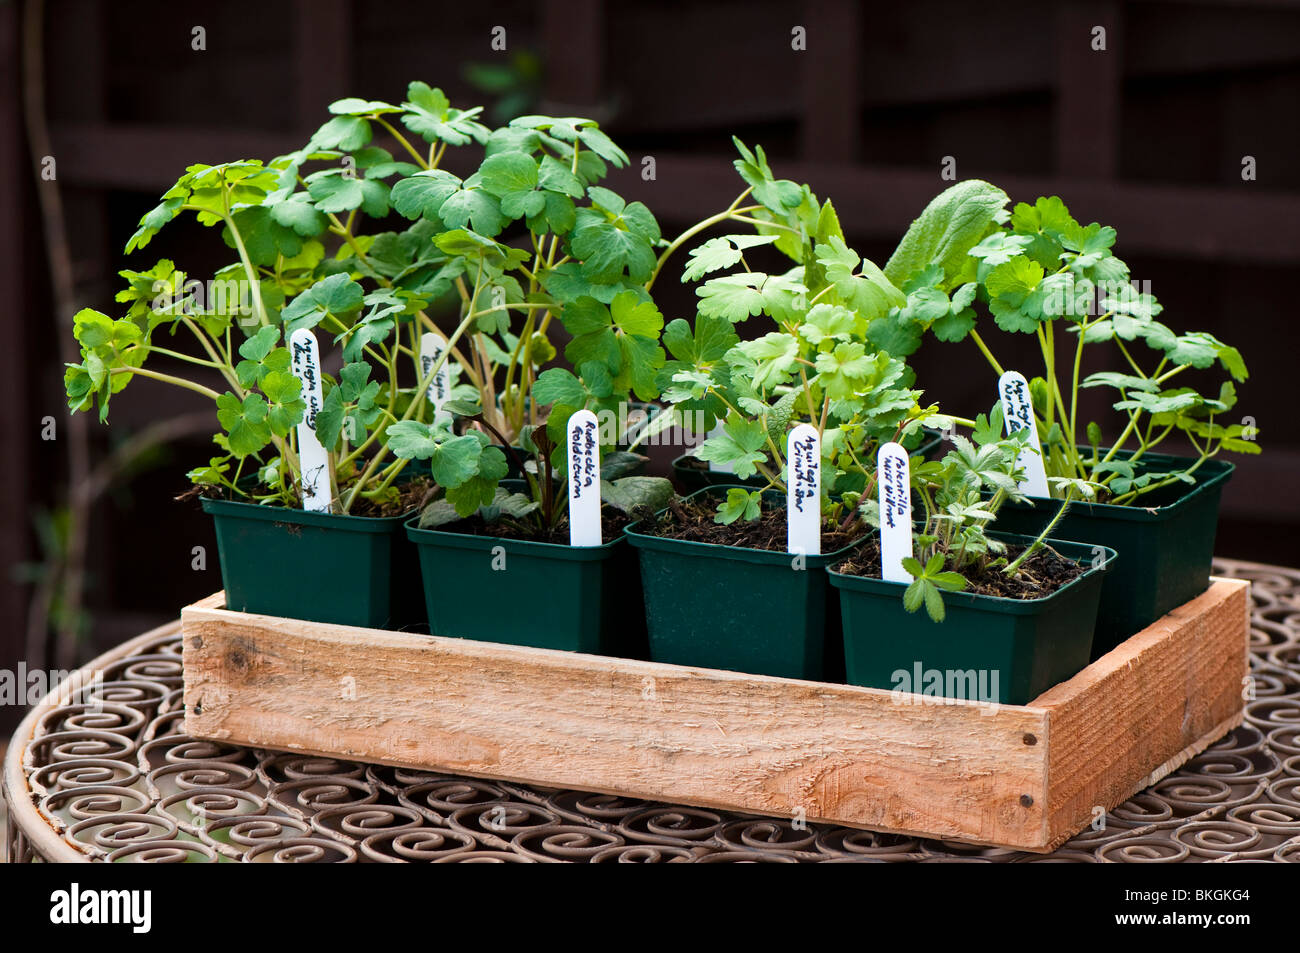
{"x":1148,"y":136}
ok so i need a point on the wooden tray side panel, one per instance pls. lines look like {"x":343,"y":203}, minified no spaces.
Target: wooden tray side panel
{"x":1147,"y":707}
{"x":831,"y":753}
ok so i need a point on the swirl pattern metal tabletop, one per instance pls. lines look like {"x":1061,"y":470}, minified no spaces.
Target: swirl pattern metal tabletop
{"x":106,"y":773}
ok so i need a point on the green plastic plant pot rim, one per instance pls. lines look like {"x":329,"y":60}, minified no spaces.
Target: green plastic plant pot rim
{"x":1016,"y":648}
{"x":523,"y":592}
{"x":293,"y":517}
{"x":738,"y":609}
{"x":1165,"y":552}
{"x":319,"y":567}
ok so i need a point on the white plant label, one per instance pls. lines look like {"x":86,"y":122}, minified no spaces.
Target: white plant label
{"x":317,"y":494}
{"x":717,"y":467}
{"x":803,"y":491}
{"x":1018,"y":414}
{"x":432,"y":344}
{"x":894,"y":490}
{"x":584,"y":479}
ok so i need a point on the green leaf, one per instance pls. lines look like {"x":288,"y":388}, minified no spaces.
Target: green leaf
{"x":259,"y":345}
{"x":430,"y":116}
{"x":347,"y":133}
{"x":245,"y":422}
{"x":954,"y":326}
{"x":334,"y":295}
{"x":558,"y":386}
{"x":933,"y":601}
{"x":507,"y":173}
{"x":829,"y":322}
{"x":472,"y":208}
{"x":949,"y":227}
{"x":455,"y":460}
{"x":329,"y":420}
{"x":422,"y":194}
{"x":335,"y":192}
{"x":843,"y":372}
{"x":608,"y":249}
{"x":352,"y":106}
{"x":1120,"y":381}
{"x":776,"y":194}
{"x":1011,"y":288}
{"x":1170,"y":401}
{"x":914,"y":595}
{"x":554,"y":176}
{"x":299,"y":214}
{"x":737,"y":297}
{"x":770,"y":360}
{"x":1233,"y":362}
{"x":926,"y":305}
{"x":895,"y":335}
{"x":870,"y":292}
{"x":636,"y":317}
{"x":950,"y":581}
{"x":414,"y":440}
{"x":708,"y":341}
{"x":285,"y":408}
{"x":739,"y":446}
{"x":264,"y":238}
{"x":628,"y":493}
{"x":739,"y":504}
{"x":718,"y":253}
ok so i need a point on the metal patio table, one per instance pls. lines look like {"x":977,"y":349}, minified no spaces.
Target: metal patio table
{"x":108,"y":774}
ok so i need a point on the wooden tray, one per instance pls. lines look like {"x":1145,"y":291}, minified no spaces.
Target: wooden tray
{"x":1026,"y":777}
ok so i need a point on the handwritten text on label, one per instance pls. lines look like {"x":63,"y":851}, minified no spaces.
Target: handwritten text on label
{"x":803,"y":511}
{"x":317,"y":494}
{"x":1018,"y":414}
{"x":584,"y":479}
{"x":893,"y":486}
{"x":432,"y":344}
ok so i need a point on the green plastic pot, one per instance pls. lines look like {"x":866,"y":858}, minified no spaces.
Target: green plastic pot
{"x":320,"y":567}
{"x":1009,"y":651}
{"x":546,"y":595}
{"x":738,"y":609}
{"x":692,"y":478}
{"x":1165,"y":545}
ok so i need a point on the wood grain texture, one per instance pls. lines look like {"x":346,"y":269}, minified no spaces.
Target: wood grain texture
{"x":835,"y":753}
{"x":1147,"y":707}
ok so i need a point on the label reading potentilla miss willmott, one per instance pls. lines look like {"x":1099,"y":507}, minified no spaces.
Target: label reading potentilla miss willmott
{"x":894,"y":490}
{"x":1018,"y":414}
{"x":317,"y":493}
{"x":803,"y":491}
{"x":584,"y":479}
{"x":432,"y":344}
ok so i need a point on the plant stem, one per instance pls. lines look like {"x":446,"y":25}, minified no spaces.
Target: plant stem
{"x":419,"y":159}
{"x":1037,"y":544}
{"x":694,"y":230}
{"x":979,"y":343}
{"x":421,"y":391}
{"x":167,"y":379}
